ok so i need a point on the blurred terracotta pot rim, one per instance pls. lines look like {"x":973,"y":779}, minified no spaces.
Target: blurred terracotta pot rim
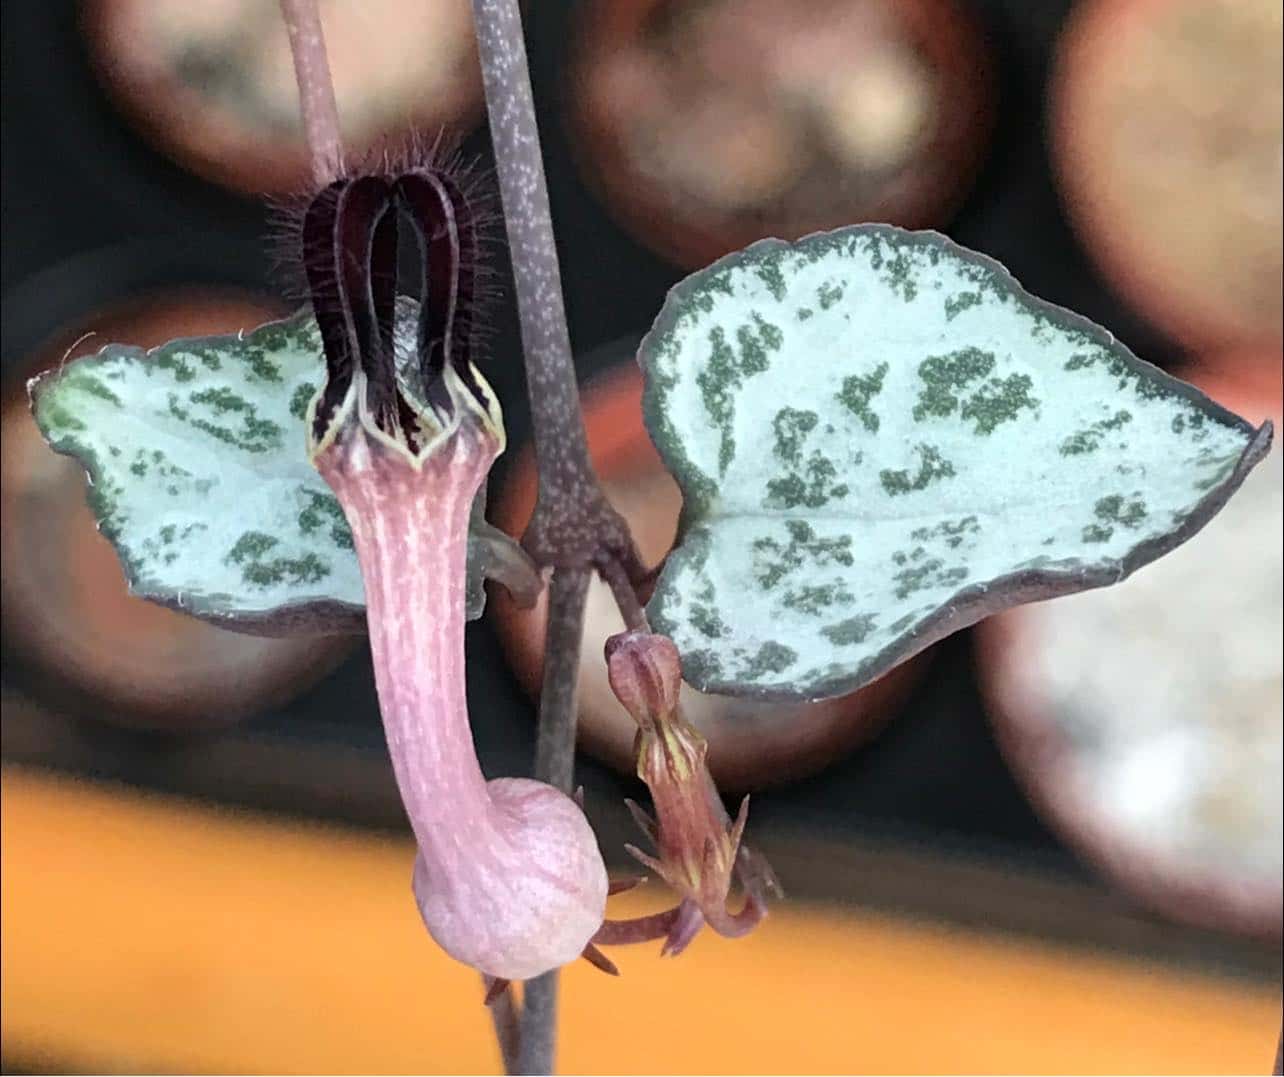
{"x":249,"y":153}
{"x":940,"y":163}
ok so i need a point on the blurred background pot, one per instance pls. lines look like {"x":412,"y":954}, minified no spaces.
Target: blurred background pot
{"x":707,"y":124}
{"x":1144,"y":720}
{"x":212,"y":83}
{"x":1166,"y":127}
{"x":67,"y":612}
{"x":751,"y":744}
{"x":1247,"y":370}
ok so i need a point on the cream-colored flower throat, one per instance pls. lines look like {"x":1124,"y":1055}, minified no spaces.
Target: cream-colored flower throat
{"x":434,"y":425}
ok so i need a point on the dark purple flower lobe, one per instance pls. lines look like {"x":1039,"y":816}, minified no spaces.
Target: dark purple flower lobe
{"x":350,"y":253}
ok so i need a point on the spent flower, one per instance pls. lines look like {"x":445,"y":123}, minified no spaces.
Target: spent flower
{"x":699,"y":850}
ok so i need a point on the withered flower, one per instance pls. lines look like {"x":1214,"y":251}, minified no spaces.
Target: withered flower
{"x":699,"y":850}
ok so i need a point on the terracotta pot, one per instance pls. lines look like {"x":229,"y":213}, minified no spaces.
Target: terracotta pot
{"x":1165,"y":119}
{"x":1249,"y":371}
{"x":1144,"y":720}
{"x":751,"y":744}
{"x":707,"y":125}
{"x":212,"y":84}
{"x":68,"y":616}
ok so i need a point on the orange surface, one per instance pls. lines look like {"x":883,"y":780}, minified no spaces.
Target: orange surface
{"x":143,"y":933}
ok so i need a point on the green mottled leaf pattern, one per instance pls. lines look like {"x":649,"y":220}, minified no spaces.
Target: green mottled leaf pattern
{"x":881,"y":438}
{"x":196,"y":454}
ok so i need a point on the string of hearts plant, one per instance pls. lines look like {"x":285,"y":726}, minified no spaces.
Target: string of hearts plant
{"x":879,"y":436}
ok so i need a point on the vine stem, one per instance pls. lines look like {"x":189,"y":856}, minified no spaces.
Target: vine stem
{"x":555,"y":747}
{"x":560,"y":443}
{"x":316,"y":89}
{"x":573,"y":528}
{"x":573,"y":524}
{"x":555,"y":764}
{"x":504,"y":1016}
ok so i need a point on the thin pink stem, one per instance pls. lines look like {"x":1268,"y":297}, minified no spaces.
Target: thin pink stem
{"x":639,"y":929}
{"x":625,"y":593}
{"x":733,"y":925}
{"x":316,"y":90}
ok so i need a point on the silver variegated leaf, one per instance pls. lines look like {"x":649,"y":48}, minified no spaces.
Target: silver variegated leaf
{"x":882,"y":438}
{"x":199,"y":476}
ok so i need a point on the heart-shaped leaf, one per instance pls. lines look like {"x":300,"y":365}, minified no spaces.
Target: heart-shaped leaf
{"x":198,"y":471}
{"x":882,"y":438}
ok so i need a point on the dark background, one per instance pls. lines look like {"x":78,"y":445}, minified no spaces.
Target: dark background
{"x":91,"y":213}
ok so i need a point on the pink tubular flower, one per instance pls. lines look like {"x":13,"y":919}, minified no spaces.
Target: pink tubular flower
{"x":508,"y":878}
{"x":699,"y":849}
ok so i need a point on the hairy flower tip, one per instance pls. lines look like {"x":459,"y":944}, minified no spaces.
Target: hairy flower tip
{"x":699,"y":851}
{"x":407,"y":384}
{"x":527,"y":901}
{"x":293,"y":249}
